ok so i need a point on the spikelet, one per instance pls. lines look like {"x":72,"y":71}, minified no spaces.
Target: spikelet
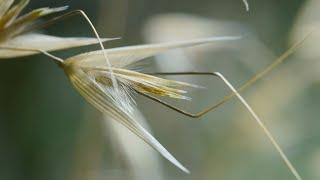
{"x":90,"y":75}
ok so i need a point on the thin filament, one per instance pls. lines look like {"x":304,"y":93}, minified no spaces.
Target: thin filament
{"x":262,"y":125}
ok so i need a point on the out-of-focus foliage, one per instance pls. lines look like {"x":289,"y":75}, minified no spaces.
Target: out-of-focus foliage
{"x":48,"y":132}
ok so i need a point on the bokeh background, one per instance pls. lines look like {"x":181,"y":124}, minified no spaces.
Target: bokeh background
{"x":47,"y":131}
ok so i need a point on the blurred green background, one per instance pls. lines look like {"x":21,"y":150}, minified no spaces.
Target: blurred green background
{"x":47,"y":131}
